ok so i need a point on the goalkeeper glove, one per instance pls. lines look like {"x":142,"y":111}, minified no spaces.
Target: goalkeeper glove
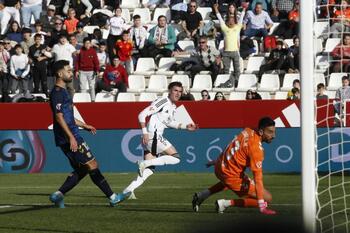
{"x":263,"y":208}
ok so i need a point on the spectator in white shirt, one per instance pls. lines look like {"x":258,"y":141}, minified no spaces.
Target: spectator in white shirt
{"x":257,"y":22}
{"x":117,"y":26}
{"x":4,"y":78}
{"x":19,"y":69}
{"x":138,"y":35}
{"x":64,"y":51}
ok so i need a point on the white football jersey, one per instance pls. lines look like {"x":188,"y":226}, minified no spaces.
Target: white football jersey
{"x":162,"y":112}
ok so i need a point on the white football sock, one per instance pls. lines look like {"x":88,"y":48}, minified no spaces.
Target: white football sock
{"x":227,"y":203}
{"x":112,"y":196}
{"x":138,"y":181}
{"x":161,"y":161}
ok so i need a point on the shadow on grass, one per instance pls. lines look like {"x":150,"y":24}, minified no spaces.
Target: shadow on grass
{"x":40,"y":230}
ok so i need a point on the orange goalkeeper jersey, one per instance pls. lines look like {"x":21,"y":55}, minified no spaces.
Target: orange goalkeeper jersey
{"x":244,"y":151}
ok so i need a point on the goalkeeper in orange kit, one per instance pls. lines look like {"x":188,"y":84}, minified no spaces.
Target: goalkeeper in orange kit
{"x":245,"y":150}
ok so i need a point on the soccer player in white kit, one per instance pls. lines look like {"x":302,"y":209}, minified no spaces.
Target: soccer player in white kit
{"x":158,"y":151}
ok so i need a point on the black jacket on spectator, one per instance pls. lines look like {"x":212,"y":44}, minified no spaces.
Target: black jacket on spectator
{"x":54,"y":37}
{"x":10,"y":3}
{"x":246,"y":47}
{"x":59,"y":4}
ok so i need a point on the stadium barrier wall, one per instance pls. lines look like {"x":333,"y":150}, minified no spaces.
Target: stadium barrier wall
{"x":27,"y":146}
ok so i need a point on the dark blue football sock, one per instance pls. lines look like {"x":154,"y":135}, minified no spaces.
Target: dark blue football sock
{"x":100,"y":182}
{"x":72,"y":180}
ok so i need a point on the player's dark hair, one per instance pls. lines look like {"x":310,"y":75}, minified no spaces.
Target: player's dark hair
{"x":265,"y":122}
{"x":59,"y":65}
{"x":174,"y":84}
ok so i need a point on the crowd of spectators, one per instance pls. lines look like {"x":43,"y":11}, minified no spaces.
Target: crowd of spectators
{"x":36,"y":33}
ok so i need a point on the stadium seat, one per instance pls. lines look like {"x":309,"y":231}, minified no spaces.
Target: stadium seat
{"x":145,"y":66}
{"x":186,"y":45}
{"x":319,"y":46}
{"x":221,"y":45}
{"x":335,"y":81}
{"x":105,"y":33}
{"x":322,"y":63}
{"x":281,"y":95}
{"x":320,"y":28}
{"x":104,"y":97}
{"x":331,"y":44}
{"x":183,"y":78}
{"x":81,"y":97}
{"x":288,"y":81}
{"x":265,"y":95}
{"x":126,"y":15}
{"x":105,"y":11}
{"x":254,"y":64}
{"x":90,"y":29}
{"x":246,"y":82}
{"x":144,"y":13}
{"x":256,"y":47}
{"x":42,"y":95}
{"x":273,"y":28}
{"x":147,"y":96}
{"x":330,"y":94}
{"x":319,"y":78}
{"x":197,"y":95}
{"x":160,"y":11}
{"x":126,"y":97}
{"x":205,"y":12}
{"x":222,"y":78}
{"x":164,"y":66}
{"x":202,"y":82}
{"x":237,"y":95}
{"x":157,"y":83}
{"x":137,"y":83}
{"x":269,"y":82}
{"x":131,"y":4}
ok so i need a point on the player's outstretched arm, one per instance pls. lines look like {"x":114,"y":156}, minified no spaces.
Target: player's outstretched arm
{"x":87,"y":127}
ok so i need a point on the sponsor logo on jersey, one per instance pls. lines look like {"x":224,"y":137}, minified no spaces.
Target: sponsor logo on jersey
{"x":58,"y":107}
{"x":258,"y":164}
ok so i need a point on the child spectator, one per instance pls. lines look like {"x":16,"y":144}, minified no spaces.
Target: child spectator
{"x":70,"y":24}
{"x":80,"y":34}
{"x":124,"y":51}
{"x":321,"y":92}
{"x":19,"y":69}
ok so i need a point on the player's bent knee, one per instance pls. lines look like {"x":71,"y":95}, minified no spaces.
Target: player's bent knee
{"x":91,"y":165}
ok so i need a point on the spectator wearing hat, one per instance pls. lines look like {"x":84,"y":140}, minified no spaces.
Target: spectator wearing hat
{"x":70,"y":23}
{"x":114,"y":76}
{"x":48,"y":20}
{"x":29,"y":8}
{"x":80,"y":34}
{"x":15,"y":33}
{"x":64,"y":51}
{"x":11,"y":10}
{"x":4,"y":78}
{"x":86,"y":67}
{"x":19,"y":70}
{"x":9,"y":47}
{"x":27,"y":40}
{"x":38,"y":56}
{"x":124,"y":50}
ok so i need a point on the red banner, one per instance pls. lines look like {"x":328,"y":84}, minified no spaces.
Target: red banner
{"x":211,"y":114}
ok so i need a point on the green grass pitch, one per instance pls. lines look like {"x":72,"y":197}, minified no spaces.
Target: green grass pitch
{"x":163,"y":204}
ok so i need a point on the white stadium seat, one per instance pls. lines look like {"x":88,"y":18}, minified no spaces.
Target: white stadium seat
{"x":222,"y":78}
{"x":205,"y":12}
{"x":186,"y":45}
{"x":137,"y":83}
{"x":319,"y":78}
{"x":322,"y":63}
{"x":202,"y":82}
{"x":157,"y":83}
{"x":320,"y":28}
{"x":104,"y":97}
{"x":126,"y":97}
{"x":81,"y":97}
{"x":331,"y":44}
{"x":161,"y":11}
{"x":182,"y":78}
{"x":126,"y":15}
{"x":269,"y":82}
{"x":145,"y":66}
{"x":90,"y":29}
{"x":237,"y":95}
{"x":164,"y":66}
{"x":246,"y":82}
{"x":104,"y":11}
{"x":281,"y":95}
{"x":330,"y":94}
{"x":273,"y":28}
{"x":144,"y":13}
{"x":131,"y":4}
{"x":265,"y":95}
{"x":288,"y":81}
{"x":254,"y":64}
{"x":335,"y":81}
{"x":147,"y":96}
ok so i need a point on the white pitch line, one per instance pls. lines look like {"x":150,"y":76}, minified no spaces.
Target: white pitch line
{"x":5,"y":206}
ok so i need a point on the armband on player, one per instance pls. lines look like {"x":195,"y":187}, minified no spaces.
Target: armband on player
{"x":144,"y":130}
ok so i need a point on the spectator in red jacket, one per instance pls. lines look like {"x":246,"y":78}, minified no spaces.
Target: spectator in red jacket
{"x":124,"y":48}
{"x":86,"y":67}
{"x":114,"y":77}
{"x":341,"y":55}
